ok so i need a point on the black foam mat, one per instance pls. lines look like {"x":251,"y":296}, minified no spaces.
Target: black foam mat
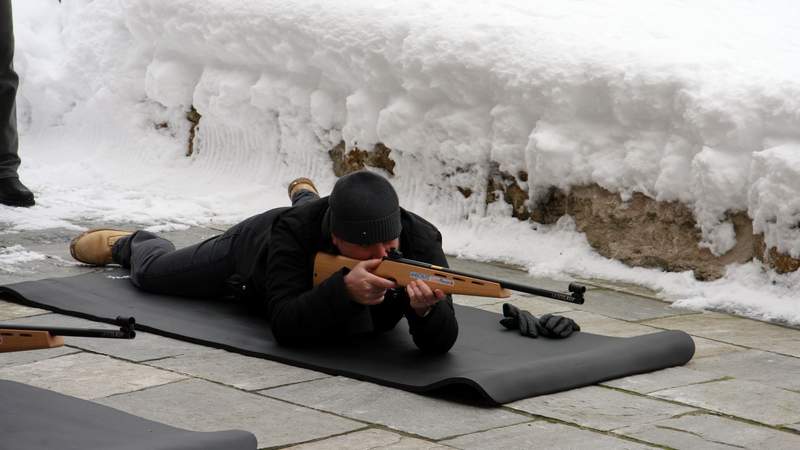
{"x":500,"y":365}
{"x":32,"y":418}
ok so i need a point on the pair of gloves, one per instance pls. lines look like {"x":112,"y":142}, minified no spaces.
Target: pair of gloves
{"x":549,"y":325}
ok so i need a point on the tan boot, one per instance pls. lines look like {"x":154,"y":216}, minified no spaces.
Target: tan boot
{"x":94,"y":246}
{"x":301,"y":184}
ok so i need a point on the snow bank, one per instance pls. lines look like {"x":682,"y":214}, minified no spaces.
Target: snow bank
{"x":679,"y":100}
{"x":773,"y":201}
{"x":670,"y":100}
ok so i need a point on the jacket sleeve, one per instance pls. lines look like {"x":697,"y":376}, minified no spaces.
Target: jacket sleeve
{"x":299,"y":312}
{"x":434,"y":333}
{"x":437,"y":331}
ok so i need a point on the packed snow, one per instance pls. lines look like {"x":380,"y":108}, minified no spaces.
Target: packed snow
{"x":15,"y":255}
{"x":691,"y":101}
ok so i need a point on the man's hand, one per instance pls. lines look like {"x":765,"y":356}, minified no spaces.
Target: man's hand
{"x":422,"y":298}
{"x":365,"y":287}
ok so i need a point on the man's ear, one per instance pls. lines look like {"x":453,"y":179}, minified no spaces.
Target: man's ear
{"x":336,"y":241}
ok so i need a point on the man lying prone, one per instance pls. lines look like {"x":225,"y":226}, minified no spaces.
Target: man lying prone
{"x":269,"y":259}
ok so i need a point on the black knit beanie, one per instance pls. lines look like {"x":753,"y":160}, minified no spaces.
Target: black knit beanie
{"x":364,"y":209}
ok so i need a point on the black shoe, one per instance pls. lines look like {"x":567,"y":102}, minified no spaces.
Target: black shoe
{"x":14,"y":193}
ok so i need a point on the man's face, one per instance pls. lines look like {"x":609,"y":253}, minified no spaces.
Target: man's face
{"x":364,"y":252}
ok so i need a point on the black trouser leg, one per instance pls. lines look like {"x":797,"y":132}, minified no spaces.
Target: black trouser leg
{"x":199,"y":270}
{"x":303,"y":196}
{"x":9,"y":142}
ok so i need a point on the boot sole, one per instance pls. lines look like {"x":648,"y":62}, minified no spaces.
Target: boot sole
{"x":17,"y":202}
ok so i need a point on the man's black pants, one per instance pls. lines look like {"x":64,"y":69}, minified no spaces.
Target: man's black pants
{"x":205,"y":269}
{"x":9,"y":141}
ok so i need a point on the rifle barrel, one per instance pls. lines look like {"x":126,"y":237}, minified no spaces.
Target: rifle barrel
{"x":126,"y":330}
{"x":60,"y":331}
{"x":574,"y":296}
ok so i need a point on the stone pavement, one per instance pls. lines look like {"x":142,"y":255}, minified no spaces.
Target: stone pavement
{"x":741,"y":390}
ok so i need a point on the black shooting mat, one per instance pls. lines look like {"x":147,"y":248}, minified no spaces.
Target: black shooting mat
{"x":500,"y":365}
{"x":35,"y":418}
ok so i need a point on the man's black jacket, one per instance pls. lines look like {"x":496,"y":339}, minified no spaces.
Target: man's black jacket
{"x":275,"y":256}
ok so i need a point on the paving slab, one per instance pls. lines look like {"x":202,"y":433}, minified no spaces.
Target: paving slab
{"x":10,"y":311}
{"x":371,"y":439}
{"x":88,"y":376}
{"x":600,"y":408}
{"x":706,"y":431}
{"x":38,"y":239}
{"x":735,"y":330}
{"x":236,"y":370}
{"x":400,"y":410}
{"x":704,"y":348}
{"x":662,"y":379}
{"x":746,"y":399}
{"x":754,"y":365}
{"x":48,"y":266}
{"x":599,"y":324}
{"x":541,"y":434}
{"x":628,"y":307}
{"x":200,"y":405}
{"x":144,"y":347}
{"x":18,"y":358}
{"x":53,"y":245}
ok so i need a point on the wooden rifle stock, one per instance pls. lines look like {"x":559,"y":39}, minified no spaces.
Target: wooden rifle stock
{"x":14,"y":337}
{"x":402,"y":271}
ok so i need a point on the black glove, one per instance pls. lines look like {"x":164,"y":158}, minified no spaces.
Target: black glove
{"x":518,"y":319}
{"x":549,"y":325}
{"x":557,"y":327}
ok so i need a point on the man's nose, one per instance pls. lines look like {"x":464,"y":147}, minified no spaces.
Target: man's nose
{"x":380,"y":251}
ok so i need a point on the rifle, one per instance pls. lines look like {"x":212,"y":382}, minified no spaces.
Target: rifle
{"x":15,"y":337}
{"x":402,"y":271}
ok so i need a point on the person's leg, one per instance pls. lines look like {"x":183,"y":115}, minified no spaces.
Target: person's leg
{"x":200,"y":270}
{"x":9,"y":161}
{"x":303,"y":196}
{"x":12,"y":192}
{"x":302,"y":190}
{"x":207,"y":269}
